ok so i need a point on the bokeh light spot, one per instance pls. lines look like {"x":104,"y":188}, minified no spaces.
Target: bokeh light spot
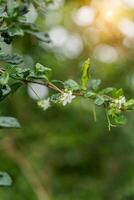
{"x":126,"y":26}
{"x":105,"y":53}
{"x":36,"y":91}
{"x":84,"y":16}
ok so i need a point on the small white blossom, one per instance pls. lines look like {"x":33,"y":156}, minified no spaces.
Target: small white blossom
{"x":44,"y":103}
{"x":67,"y":97}
{"x":120,"y":102}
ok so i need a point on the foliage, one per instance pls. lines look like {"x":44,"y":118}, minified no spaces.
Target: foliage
{"x":5,"y":179}
{"x":13,"y":24}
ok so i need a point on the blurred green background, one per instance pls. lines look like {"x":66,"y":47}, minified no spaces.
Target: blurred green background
{"x":62,"y":154}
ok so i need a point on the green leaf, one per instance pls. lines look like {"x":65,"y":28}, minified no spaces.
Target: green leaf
{"x":11,"y":5}
{"x":15,"y":86}
{"x":9,"y":122}
{"x":90,"y":94}
{"x":2,"y":12}
{"x":40,"y":72}
{"x":22,"y":10}
{"x":4,"y":91}
{"x":99,"y":101}
{"x":39,"y":35}
{"x":11,"y":59}
{"x":71,"y":85}
{"x":21,"y":73}
{"x":129,"y":104}
{"x":119,"y":119}
{"x":107,"y":90}
{"x":55,"y":98}
{"x":95,"y":84}
{"x":41,"y":68}
{"x":15,"y":31}
{"x":85,"y":74}
{"x":6,"y":37}
{"x":117,"y":93}
{"x":5,"y":179}
{"x":4,"y":78}
{"x":48,"y":2}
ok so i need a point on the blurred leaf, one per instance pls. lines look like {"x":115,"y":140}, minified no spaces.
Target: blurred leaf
{"x":39,"y":35}
{"x":90,"y":94}
{"x":85,"y":74}
{"x":99,"y":101}
{"x":11,"y":5}
{"x":95,"y":84}
{"x":129,"y":104}
{"x":71,"y":85}
{"x":120,"y":119}
{"x":22,"y":10}
{"x":55,"y":98}
{"x":16,"y":86}
{"x":48,"y":2}
{"x":4,"y":78}
{"x":15,"y":31}
{"x":107,"y":90}
{"x":40,"y":72}
{"x":4,"y":91}
{"x":9,"y":122}
{"x":117,"y":93}
{"x":12,"y":59}
{"x":6,"y":37}
{"x":41,"y":68}
{"x":2,"y":11}
{"x":5,"y":179}
{"x":21,"y":73}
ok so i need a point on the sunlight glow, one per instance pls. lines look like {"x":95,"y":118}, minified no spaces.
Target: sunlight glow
{"x":109,"y":15}
{"x":129,"y":3}
{"x":126,"y":26}
{"x":84,"y":16}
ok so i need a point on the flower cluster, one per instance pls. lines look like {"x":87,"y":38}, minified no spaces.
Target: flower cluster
{"x":44,"y":103}
{"x":66,"y":98}
{"x":120,"y":102}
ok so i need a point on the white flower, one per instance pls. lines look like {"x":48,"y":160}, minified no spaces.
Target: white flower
{"x":120,"y":102}
{"x":44,"y":103}
{"x":67,"y":97}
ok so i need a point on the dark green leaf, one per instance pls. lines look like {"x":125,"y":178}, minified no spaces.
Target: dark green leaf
{"x":55,"y":98}
{"x":15,"y":86}
{"x":21,"y":72}
{"x":12,"y":59}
